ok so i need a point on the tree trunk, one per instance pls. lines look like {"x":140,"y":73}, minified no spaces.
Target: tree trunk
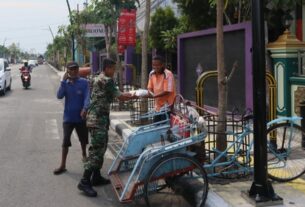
{"x":144,"y":72}
{"x":119,"y":67}
{"x":145,"y":45}
{"x":221,"y":142}
{"x":107,"y":40}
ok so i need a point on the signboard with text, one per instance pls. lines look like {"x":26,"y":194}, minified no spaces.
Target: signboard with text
{"x":127,"y":29}
{"x":94,"y":30}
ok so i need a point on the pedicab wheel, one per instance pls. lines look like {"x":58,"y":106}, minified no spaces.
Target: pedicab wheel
{"x":286,"y":153}
{"x":176,"y":180}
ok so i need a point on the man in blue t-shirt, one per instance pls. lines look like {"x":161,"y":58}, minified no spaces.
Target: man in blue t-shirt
{"x":76,"y":92}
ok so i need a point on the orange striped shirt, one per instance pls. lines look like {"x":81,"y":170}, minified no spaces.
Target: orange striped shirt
{"x":159,"y":83}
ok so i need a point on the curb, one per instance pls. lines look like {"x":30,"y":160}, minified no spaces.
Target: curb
{"x":58,"y":72}
{"x":120,"y":128}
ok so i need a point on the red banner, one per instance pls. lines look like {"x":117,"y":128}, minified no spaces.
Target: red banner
{"x":127,"y":28}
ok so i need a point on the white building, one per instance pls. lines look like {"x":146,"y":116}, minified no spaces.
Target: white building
{"x":154,"y":5}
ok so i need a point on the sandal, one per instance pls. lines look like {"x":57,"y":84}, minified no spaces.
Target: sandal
{"x":59,"y":171}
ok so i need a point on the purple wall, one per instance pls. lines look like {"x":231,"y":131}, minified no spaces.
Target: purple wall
{"x":248,"y":55}
{"x":129,"y":52}
{"x":95,"y":62}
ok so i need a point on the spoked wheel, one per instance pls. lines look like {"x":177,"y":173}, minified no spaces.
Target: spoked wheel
{"x":176,"y":180}
{"x":286,"y":152}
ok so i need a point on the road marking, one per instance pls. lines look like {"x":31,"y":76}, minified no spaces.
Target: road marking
{"x":52,"y":129}
{"x":298,"y":184}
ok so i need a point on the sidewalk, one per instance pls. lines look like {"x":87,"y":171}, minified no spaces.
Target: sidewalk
{"x":221,"y":195}
{"x":230,"y":194}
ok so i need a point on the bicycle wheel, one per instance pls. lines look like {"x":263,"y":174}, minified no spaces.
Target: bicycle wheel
{"x":176,"y":180}
{"x":286,"y":155}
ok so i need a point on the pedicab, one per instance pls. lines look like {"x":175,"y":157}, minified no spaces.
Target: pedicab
{"x":155,"y":163}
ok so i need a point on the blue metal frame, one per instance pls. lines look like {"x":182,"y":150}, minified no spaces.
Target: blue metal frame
{"x":137,"y":150}
{"x":240,"y":141}
{"x":150,"y":155}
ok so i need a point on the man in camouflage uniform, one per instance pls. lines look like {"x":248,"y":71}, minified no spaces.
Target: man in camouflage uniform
{"x":103,"y":93}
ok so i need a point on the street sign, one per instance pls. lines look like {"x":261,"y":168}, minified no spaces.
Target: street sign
{"x":94,"y":30}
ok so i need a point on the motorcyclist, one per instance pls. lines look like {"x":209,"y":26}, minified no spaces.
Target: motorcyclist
{"x":25,"y":69}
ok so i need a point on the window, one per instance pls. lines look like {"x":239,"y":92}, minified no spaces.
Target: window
{"x":5,"y":64}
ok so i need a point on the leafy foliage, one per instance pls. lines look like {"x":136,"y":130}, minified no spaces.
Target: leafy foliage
{"x":126,"y":4}
{"x":199,"y":14}
{"x":105,"y":12}
{"x":282,"y":4}
{"x":162,"y":20}
{"x":169,"y":37}
{"x":3,"y":51}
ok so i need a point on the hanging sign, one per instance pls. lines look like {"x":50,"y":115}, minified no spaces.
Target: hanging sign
{"x":127,"y":28}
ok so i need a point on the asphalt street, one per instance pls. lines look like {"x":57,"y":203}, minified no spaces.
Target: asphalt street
{"x":30,"y":149}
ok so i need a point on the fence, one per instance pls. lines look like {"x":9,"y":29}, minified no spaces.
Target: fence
{"x":235,"y":125}
{"x":139,"y":107}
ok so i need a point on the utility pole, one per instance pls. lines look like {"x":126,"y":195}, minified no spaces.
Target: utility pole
{"x":73,"y":37}
{"x":51,"y":32}
{"x":261,"y":190}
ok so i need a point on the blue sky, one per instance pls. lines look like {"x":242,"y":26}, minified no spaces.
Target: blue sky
{"x":27,"y":22}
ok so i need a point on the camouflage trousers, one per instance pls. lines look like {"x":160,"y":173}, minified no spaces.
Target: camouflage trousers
{"x":98,"y":147}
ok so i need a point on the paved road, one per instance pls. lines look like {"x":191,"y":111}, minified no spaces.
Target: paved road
{"x":30,"y":143}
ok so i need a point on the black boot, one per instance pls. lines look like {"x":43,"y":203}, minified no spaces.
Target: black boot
{"x":85,"y":185}
{"x":98,"y":179}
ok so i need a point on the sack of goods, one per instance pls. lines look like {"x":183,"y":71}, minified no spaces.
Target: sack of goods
{"x":140,"y":92}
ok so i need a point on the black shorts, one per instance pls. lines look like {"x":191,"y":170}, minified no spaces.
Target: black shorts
{"x":81,"y":130}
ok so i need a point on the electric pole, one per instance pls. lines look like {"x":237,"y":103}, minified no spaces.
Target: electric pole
{"x":73,"y":38}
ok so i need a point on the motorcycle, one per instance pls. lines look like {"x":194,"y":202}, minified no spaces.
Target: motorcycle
{"x":26,"y":78}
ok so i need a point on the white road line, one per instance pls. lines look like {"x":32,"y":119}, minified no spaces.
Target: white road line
{"x":52,"y":129}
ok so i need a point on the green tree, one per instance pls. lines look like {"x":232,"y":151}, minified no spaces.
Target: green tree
{"x":162,"y":20}
{"x":3,"y":51}
{"x":107,"y":15}
{"x":169,"y":37}
{"x":57,"y":52}
{"x":14,"y":51}
{"x":125,"y":4}
{"x":199,"y":14}
{"x":240,"y":10}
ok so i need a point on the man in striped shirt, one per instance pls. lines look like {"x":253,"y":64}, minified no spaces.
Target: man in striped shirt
{"x":161,"y":85}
